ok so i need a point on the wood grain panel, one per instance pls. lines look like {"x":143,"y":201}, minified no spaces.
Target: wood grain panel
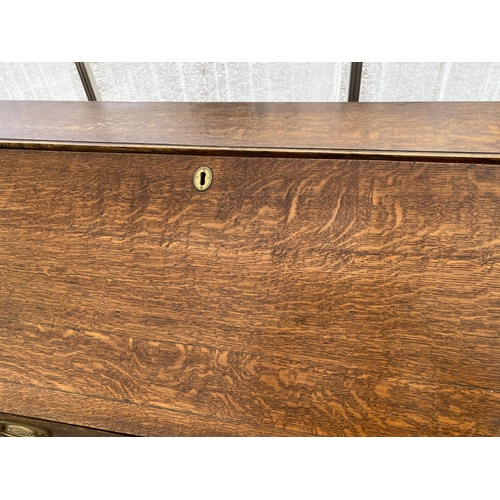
{"x":263,"y":394}
{"x":434,"y":126}
{"x":291,"y":295}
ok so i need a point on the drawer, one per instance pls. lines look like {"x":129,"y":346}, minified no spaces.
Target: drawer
{"x":16,"y":426}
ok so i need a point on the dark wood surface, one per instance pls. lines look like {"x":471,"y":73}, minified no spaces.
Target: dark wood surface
{"x":294,"y":297}
{"x":416,"y":127}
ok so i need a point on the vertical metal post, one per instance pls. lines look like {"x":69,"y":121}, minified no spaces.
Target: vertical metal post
{"x":355,"y":81}
{"x":88,"y":81}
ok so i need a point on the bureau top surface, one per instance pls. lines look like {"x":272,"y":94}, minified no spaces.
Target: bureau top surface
{"x":440,"y":127}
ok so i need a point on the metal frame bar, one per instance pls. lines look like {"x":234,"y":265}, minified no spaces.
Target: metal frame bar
{"x":88,"y":81}
{"x":93,"y":94}
{"x":355,"y":81}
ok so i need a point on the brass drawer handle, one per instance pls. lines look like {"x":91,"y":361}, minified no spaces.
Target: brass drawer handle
{"x":16,"y":429}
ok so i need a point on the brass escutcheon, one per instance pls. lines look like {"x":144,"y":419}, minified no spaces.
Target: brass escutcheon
{"x":15,"y":429}
{"x":202,"y":178}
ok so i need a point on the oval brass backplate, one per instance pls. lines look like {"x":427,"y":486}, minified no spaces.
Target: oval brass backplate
{"x":202,"y":178}
{"x":16,"y":429}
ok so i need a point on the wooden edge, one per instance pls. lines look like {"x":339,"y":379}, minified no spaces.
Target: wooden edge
{"x":429,"y":156}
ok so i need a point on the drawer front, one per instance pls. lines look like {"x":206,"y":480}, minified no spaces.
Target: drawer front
{"x":17,"y":426}
{"x":292,"y":297}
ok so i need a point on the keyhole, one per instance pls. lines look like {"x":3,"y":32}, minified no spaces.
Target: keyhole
{"x":202,"y":178}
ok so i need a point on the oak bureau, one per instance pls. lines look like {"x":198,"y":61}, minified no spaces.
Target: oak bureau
{"x":249,"y":269}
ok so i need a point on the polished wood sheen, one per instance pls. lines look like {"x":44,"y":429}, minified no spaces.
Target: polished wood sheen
{"x":296,"y":296}
{"x":439,"y":127}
